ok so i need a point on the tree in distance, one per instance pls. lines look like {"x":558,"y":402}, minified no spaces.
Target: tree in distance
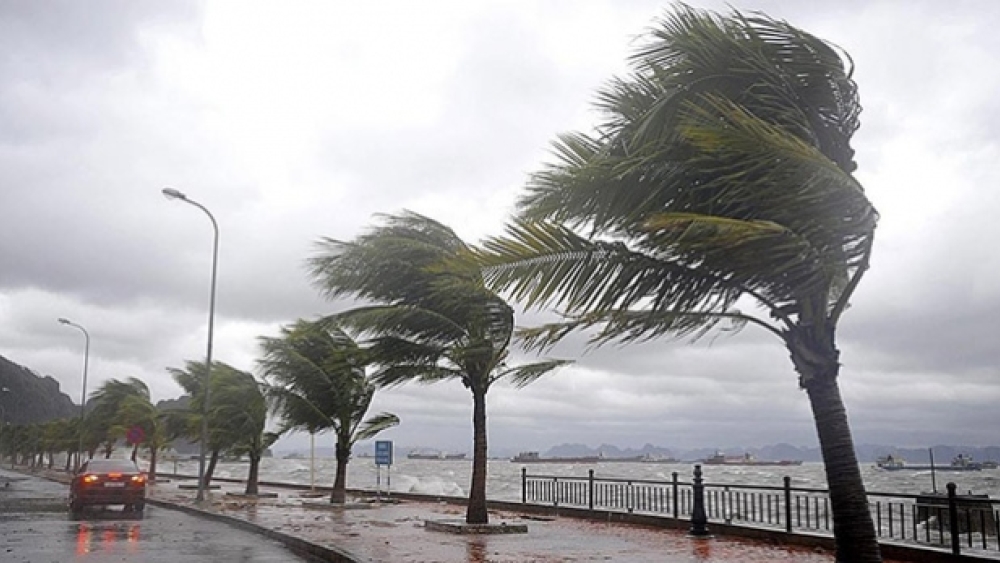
{"x":227,"y":430}
{"x":721,"y":172}
{"x":317,"y":383}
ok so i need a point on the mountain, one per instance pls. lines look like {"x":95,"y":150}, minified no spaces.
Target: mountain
{"x":867,"y":453}
{"x":28,"y":398}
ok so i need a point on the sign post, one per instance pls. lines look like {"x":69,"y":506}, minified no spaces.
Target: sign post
{"x":383,"y":456}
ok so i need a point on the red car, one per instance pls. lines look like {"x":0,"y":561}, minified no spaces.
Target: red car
{"x":102,"y":482}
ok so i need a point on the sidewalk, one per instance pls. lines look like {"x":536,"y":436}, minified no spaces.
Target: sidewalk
{"x":395,"y":533}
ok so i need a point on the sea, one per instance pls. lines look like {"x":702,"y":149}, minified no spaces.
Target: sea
{"x":452,"y":477}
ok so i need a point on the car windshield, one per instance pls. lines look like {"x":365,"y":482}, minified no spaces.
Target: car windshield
{"x":111,"y":466}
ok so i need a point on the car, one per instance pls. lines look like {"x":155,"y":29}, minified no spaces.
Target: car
{"x":104,"y":482}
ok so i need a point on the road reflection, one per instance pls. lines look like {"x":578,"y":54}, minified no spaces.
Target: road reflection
{"x":107,"y":536}
{"x":702,"y":549}
{"x":476,"y":549}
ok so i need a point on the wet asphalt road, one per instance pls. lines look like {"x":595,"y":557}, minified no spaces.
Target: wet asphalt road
{"x":37,"y":528}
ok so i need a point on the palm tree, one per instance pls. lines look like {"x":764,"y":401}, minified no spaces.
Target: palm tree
{"x":431,"y":319}
{"x":238,"y":400}
{"x":319,"y":383}
{"x":722,"y":173}
{"x":109,"y":416}
{"x":138,"y":411}
{"x":224,"y":432}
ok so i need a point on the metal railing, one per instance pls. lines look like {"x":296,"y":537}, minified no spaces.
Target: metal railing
{"x":949,"y":520}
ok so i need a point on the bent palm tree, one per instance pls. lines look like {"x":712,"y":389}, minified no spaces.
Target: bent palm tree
{"x":225,"y":431}
{"x":432,"y":318}
{"x":320,"y":384}
{"x":722,"y":172}
{"x":109,"y":416}
{"x":238,"y":399}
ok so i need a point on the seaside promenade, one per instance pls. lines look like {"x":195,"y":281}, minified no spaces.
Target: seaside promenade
{"x":395,"y":532}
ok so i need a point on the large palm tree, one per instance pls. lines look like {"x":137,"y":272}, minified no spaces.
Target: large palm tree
{"x":431,"y":317}
{"x":319,"y":384}
{"x":720,"y":174}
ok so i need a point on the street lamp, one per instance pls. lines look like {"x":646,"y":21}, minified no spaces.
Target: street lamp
{"x":83,"y":394}
{"x":171,"y":193}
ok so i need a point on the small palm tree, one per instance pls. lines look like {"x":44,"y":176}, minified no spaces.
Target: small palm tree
{"x":225,"y":431}
{"x":238,"y":399}
{"x":109,"y":416}
{"x":319,"y":383}
{"x":139,"y":412}
{"x":721,"y":174}
{"x":431,"y":318}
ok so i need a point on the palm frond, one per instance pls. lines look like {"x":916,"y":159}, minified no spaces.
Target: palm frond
{"x":524,"y":374}
{"x":398,"y":374}
{"x":376,"y":424}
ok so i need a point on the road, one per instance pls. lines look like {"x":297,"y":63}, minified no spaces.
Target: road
{"x":37,"y":528}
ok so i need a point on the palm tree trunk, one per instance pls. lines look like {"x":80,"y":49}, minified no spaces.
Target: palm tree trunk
{"x":476,"y":512}
{"x":210,"y":470}
{"x":852,"y":520}
{"x":152,"y":463}
{"x":69,"y":462}
{"x":339,"y":493}
{"x":251,"y":488}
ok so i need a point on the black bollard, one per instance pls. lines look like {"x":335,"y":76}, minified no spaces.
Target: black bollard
{"x":956,"y":545}
{"x":699,"y":520}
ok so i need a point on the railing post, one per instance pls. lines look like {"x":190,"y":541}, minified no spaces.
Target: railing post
{"x":524,"y":485}
{"x":590,"y":489}
{"x":788,"y":504}
{"x":699,"y":519}
{"x":676,"y":498}
{"x":956,"y":546}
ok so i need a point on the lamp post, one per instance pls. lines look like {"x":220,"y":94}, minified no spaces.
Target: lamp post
{"x":171,"y":193}
{"x":83,"y":394}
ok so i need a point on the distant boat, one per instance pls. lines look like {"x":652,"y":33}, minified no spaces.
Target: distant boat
{"x":435,"y":456}
{"x":645,"y":458}
{"x":294,"y":455}
{"x":959,"y":463}
{"x":746,"y":459}
{"x":533,"y":457}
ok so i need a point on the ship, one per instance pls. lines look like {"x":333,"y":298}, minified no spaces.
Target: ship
{"x":533,"y":457}
{"x":959,"y":463}
{"x":746,"y":459}
{"x":434,"y":456}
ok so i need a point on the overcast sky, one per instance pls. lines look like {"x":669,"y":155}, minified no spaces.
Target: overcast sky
{"x":293,"y":120}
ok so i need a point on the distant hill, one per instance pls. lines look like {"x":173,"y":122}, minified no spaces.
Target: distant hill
{"x":867,"y":453}
{"x":31,"y":398}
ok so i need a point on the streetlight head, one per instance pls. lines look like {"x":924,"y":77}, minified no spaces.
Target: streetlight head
{"x":171,"y":193}
{"x":64,"y":321}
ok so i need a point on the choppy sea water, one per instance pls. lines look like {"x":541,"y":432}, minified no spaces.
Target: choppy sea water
{"x":452,"y":477}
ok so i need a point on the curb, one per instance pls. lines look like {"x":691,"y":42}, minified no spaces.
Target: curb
{"x":297,"y":545}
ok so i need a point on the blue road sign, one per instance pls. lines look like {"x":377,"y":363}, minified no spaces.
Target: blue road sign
{"x":383,"y":452}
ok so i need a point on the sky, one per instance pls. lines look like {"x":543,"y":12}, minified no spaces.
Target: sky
{"x":295,"y":120}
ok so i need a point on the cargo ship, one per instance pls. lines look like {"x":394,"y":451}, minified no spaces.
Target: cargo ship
{"x":896,"y":463}
{"x":434,"y":455}
{"x":746,"y":459}
{"x":533,"y":457}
